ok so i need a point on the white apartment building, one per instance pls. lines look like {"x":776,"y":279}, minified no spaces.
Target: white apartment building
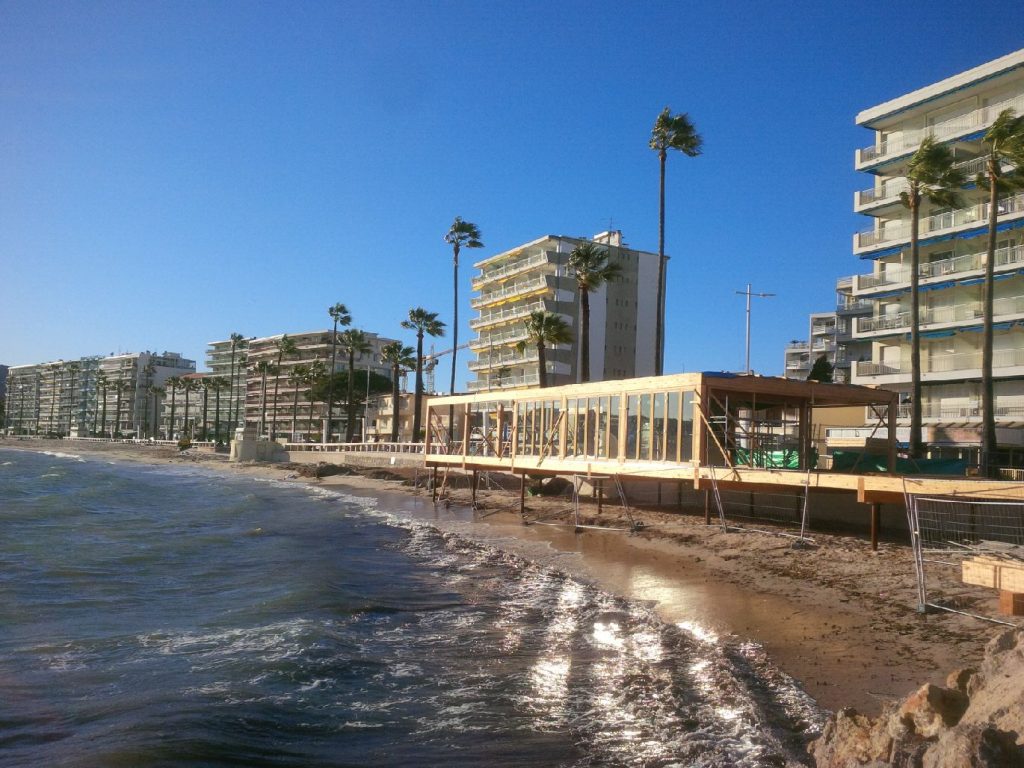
{"x":127,"y":405}
{"x":295,"y":415}
{"x":534,"y":276}
{"x":957,"y":111}
{"x":230,"y":364}
{"x":830,"y":334}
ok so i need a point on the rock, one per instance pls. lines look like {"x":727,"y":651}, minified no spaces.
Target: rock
{"x":848,"y":739}
{"x":930,"y":709}
{"x":960,"y":679}
{"x":975,"y":747}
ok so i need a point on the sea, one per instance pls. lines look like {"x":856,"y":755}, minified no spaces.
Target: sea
{"x":175,"y":616}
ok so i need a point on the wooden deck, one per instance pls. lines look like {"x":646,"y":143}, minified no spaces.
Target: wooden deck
{"x":695,"y":428}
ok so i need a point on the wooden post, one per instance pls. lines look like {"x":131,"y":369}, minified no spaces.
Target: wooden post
{"x":679,"y":494}
{"x":433,"y":487}
{"x":522,"y":496}
{"x":500,"y":442}
{"x":707,"y":507}
{"x":891,"y":424}
{"x":599,"y":488}
{"x":876,"y":524}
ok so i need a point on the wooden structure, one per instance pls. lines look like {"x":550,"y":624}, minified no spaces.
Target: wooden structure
{"x":731,"y":431}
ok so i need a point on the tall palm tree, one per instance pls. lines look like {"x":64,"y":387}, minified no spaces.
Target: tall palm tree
{"x":189,"y":386}
{"x":120,"y":387}
{"x":297,"y":377}
{"x":930,"y":175}
{"x":101,"y":391}
{"x":73,"y":369}
{"x":174,"y":382}
{"x":1004,"y":144}
{"x":542,"y":329}
{"x":340,"y":315}
{"x":217,"y":384}
{"x":263,"y":369}
{"x":461,"y":234}
{"x":238,"y":342}
{"x":317,"y":372}
{"x":669,"y":132}
{"x":285,"y":346}
{"x":354,"y":341}
{"x":589,"y":265}
{"x":156,"y":393}
{"x":422,"y":322}
{"x":204,"y":385}
{"x":56,"y":368}
{"x":398,"y":357}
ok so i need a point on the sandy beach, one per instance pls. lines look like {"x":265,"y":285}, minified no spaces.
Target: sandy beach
{"x":836,"y":616}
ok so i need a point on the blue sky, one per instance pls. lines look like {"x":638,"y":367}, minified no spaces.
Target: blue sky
{"x":173,"y":172}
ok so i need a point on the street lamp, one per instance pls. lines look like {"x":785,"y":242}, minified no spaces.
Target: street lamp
{"x":748,"y":294}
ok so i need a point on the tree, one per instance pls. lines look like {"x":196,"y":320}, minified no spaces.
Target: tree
{"x":1004,"y":145}
{"x":317,"y":373}
{"x":297,"y":378}
{"x":461,"y":234}
{"x":263,"y":369}
{"x":931,"y":176}
{"x":73,"y":369}
{"x":340,"y":315}
{"x":543,"y":329}
{"x":285,"y":346}
{"x":156,"y":393}
{"x":120,"y":387}
{"x":238,"y":342}
{"x":355,"y":342}
{"x":101,"y":388}
{"x":397,"y":356}
{"x":822,"y":370}
{"x":422,"y":322}
{"x":174,"y":382}
{"x":669,"y":132}
{"x":189,"y":386}
{"x":589,"y":265}
{"x":217,"y":384}
{"x":204,"y":384}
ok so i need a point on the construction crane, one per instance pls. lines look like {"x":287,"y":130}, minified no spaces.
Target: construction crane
{"x":430,"y":363}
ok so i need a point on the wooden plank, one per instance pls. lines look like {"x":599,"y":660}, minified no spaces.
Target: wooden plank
{"x":1011,"y":603}
{"x":994,"y":574}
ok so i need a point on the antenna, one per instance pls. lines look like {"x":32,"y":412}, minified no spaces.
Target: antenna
{"x":748,"y":294}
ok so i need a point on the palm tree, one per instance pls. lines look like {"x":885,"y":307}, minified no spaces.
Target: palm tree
{"x":931,"y":176}
{"x":120,"y":387}
{"x":317,"y":372}
{"x":237,"y":342}
{"x":101,"y":391}
{"x":73,"y":369}
{"x":1004,"y":144}
{"x":156,"y":393}
{"x":217,"y":384}
{"x":589,"y":264}
{"x":285,"y":346}
{"x":263,"y":369}
{"x":397,"y":356}
{"x":54,"y":391}
{"x":669,"y":132}
{"x":461,"y":234}
{"x":189,"y":386}
{"x":422,"y":322}
{"x":174,"y":382}
{"x":354,"y":341}
{"x":544,"y":328}
{"x":204,"y":384}
{"x":298,"y":377}
{"x":340,"y":315}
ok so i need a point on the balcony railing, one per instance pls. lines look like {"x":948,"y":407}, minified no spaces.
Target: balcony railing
{"x":891,"y":189}
{"x":501,"y":338}
{"x":931,"y":225}
{"x":910,"y":140}
{"x":503,"y":359}
{"x":1010,"y":256}
{"x":506,"y":382}
{"x":944,"y":363}
{"x":503,"y":315}
{"x":506,"y":270}
{"x":509,"y":291}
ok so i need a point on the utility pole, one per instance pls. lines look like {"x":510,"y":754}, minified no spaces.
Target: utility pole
{"x":748,"y":294}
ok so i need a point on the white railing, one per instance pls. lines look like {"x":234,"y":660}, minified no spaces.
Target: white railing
{"x":487,"y":274}
{"x":509,"y":313}
{"x":883,"y":322}
{"x":498,"y":339}
{"x":890,"y":189}
{"x":516,"y":289}
{"x":910,"y":140}
{"x":944,"y":363}
{"x":413,"y":448}
{"x":506,"y":382}
{"x":505,"y":359}
{"x":938,"y":222}
{"x":1010,"y":256}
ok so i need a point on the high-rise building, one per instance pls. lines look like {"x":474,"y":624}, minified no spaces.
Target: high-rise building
{"x":227,"y":359}
{"x":956,"y":111}
{"x":830,"y":335}
{"x":128,"y":406}
{"x":534,"y":276}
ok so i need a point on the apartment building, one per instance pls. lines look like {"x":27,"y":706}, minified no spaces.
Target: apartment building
{"x":957,"y":111}
{"x":228,"y":360}
{"x":830,"y":334}
{"x":21,"y":406}
{"x":127,"y":405}
{"x":295,"y":415}
{"x":534,"y":276}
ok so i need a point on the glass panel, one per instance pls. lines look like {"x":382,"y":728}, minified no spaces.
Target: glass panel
{"x":632,"y":415}
{"x":613,"y":427}
{"x":554,"y":428}
{"x":658,"y":427}
{"x":601,"y":430}
{"x":593,"y":405}
{"x":686,"y":446}
{"x":672,"y":427}
{"x":645,"y":427}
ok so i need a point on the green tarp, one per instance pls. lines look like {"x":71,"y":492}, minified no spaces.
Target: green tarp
{"x":785,"y":459}
{"x":845,"y":461}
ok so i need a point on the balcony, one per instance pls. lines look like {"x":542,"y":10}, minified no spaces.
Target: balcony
{"x":910,"y":140}
{"x":938,"y":366}
{"x":898,"y":231}
{"x":889,"y":191}
{"x":957,"y":266}
{"x":506,"y":382}
{"x":507,"y":270}
{"x":503,"y":360}
{"x":506,"y":315}
{"x":501,"y":338}
{"x":510,"y":292}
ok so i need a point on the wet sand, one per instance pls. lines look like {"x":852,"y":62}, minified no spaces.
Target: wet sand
{"x":837,"y":617}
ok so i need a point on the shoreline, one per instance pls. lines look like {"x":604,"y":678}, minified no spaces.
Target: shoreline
{"x":836,"y":617}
